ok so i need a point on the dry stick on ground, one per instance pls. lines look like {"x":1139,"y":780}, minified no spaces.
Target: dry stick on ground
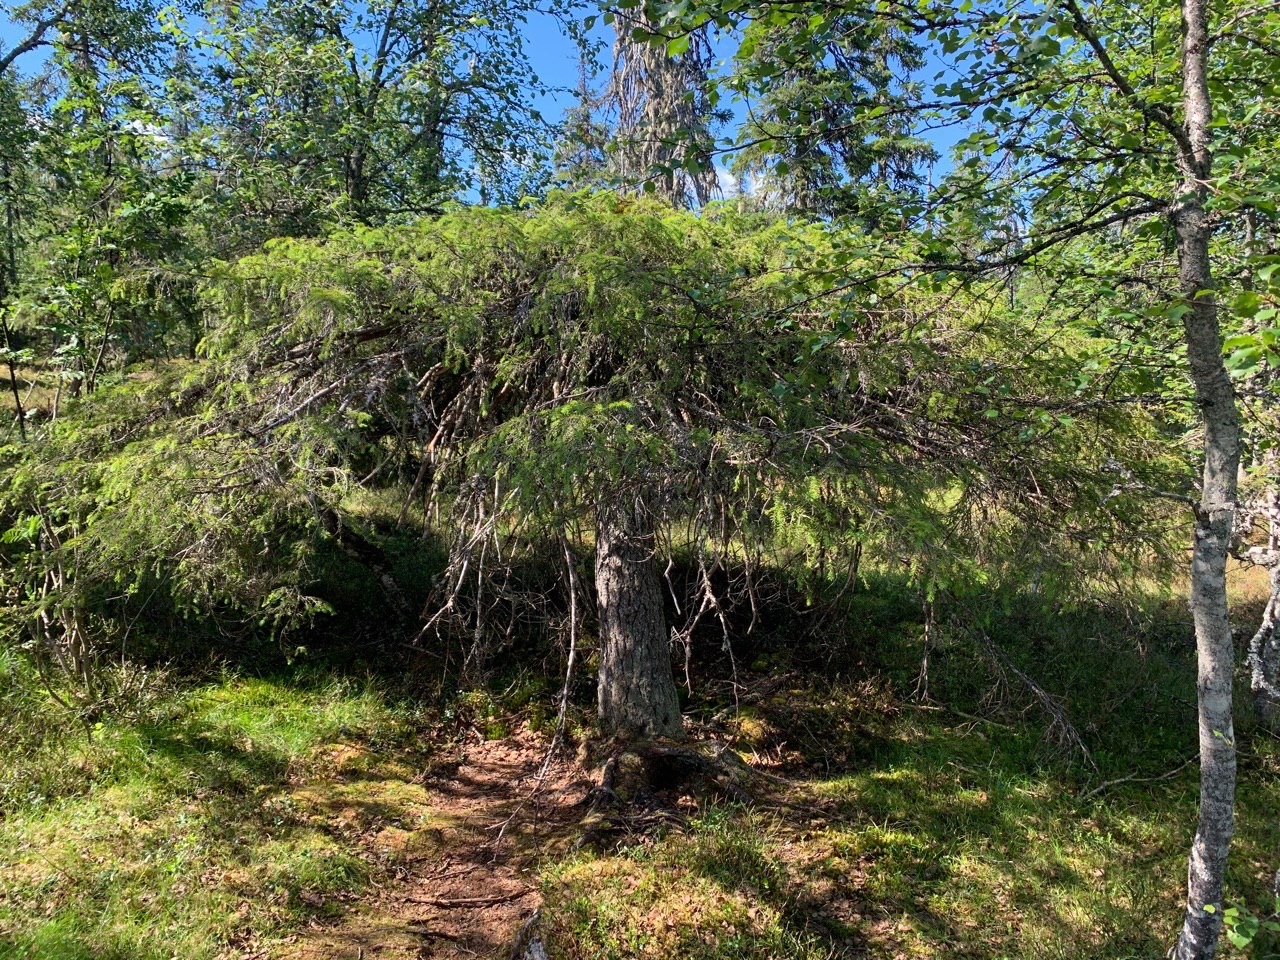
{"x":1134,"y":778}
{"x":1061,"y":722}
{"x":921,"y":691}
{"x":558,"y":737}
{"x":438,"y":934}
{"x":761,"y":692}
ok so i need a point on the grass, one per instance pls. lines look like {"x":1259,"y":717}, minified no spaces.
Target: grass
{"x":715,"y":893}
{"x":956,"y":831}
{"x":218,"y":820}
{"x":233,"y":814}
{"x":36,"y":388}
{"x":942,"y":845}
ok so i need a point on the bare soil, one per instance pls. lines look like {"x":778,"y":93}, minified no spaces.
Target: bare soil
{"x":465,"y":882}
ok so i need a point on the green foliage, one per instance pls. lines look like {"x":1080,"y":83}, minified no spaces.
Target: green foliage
{"x":829,"y":132}
{"x":512,"y":368}
{"x":118,"y":189}
{"x":372,"y":112}
{"x":1243,"y":925}
{"x":126,"y":517}
{"x":592,"y":345}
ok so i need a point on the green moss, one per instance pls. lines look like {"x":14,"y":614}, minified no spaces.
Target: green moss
{"x":241,"y":810}
{"x":949,"y":831}
{"x":180,"y":834}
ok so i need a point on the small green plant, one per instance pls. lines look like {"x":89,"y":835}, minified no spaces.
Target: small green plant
{"x":482,"y":711}
{"x":1243,"y":925}
{"x":196,"y":814}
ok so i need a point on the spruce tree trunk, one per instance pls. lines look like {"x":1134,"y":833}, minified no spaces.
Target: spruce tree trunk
{"x":637,"y":694}
{"x":1215,"y":513}
{"x":662,"y":112}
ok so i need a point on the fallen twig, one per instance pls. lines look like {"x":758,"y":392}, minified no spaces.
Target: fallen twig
{"x":1133,"y":778}
{"x":438,"y":934}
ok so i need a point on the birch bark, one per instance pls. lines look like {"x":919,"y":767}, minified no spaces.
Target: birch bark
{"x":1202,"y":923}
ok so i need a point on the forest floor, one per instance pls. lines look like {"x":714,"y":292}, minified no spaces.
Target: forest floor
{"x":465,"y":883}
{"x":299,"y":816}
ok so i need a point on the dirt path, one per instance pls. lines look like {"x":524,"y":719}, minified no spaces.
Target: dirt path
{"x":466,"y":877}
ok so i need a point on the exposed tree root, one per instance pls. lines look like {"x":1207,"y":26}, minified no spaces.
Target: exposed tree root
{"x":527,"y":944}
{"x":468,"y":902}
{"x":641,"y":782}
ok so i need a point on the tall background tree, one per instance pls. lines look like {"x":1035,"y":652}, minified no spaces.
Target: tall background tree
{"x":664,"y":107}
{"x":809,"y":136}
{"x":321,"y":112}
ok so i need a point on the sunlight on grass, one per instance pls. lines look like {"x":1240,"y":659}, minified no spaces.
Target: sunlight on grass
{"x":714,"y":894}
{"x":220,"y":819}
{"x":175,"y":843}
{"x":936,"y":859}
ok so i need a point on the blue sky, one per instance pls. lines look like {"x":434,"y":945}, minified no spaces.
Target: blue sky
{"x":555,"y":60}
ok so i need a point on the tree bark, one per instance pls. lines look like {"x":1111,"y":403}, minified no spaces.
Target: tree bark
{"x":1264,"y":653}
{"x":661,"y":112}
{"x":1215,"y":395}
{"x":8,"y":282}
{"x":637,"y":693}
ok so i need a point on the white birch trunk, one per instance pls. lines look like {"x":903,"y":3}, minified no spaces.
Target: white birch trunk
{"x":1215,"y":395}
